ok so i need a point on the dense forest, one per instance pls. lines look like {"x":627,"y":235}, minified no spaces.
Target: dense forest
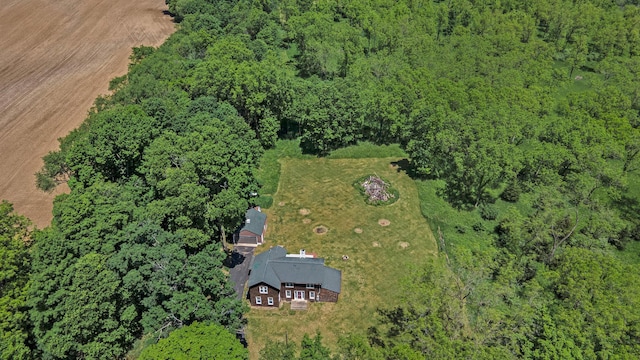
{"x":531,"y":103}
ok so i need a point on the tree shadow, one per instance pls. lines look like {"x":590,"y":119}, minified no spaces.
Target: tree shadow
{"x":456,"y":200}
{"x":233,"y":258}
{"x":404,"y":165}
{"x":629,"y":207}
{"x":448,"y":193}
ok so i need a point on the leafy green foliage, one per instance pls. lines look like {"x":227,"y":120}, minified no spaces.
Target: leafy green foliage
{"x":197,"y":341}
{"x":113,"y":147}
{"x":203,"y":178}
{"x":91,"y":294}
{"x":15,"y":342}
{"x":488,"y":212}
{"x":331,"y":114}
{"x":278,"y":350}
{"x":512,"y":192}
{"x":431,"y":321}
{"x":313,"y":349}
{"x":365,"y":150}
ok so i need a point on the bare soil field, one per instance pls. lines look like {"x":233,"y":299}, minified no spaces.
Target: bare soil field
{"x":56,"y":57}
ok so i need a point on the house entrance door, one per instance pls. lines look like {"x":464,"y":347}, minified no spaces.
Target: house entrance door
{"x":298,"y":295}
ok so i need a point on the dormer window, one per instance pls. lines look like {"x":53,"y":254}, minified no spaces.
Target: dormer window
{"x":288,"y":285}
{"x":264,"y":290}
{"x":310,"y":286}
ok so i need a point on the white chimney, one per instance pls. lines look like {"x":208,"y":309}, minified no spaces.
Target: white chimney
{"x":302,"y":253}
{"x":248,"y":221}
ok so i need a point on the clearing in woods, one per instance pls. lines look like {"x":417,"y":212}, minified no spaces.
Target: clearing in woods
{"x":378,"y":256}
{"x":56,"y":58}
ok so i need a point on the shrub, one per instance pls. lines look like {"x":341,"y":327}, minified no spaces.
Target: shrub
{"x":512,"y":192}
{"x":264,"y":201}
{"x":461,"y":229}
{"x":479,"y":227}
{"x":488,"y":212}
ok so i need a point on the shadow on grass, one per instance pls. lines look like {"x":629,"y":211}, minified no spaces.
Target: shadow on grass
{"x":405,"y":166}
{"x":447,"y":192}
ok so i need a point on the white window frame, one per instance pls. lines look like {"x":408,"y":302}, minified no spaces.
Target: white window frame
{"x":270,"y":301}
{"x":258,"y":300}
{"x":263,"y":289}
{"x":312,"y":295}
{"x":288,"y":285}
{"x":311,"y":286}
{"x":288,"y":294}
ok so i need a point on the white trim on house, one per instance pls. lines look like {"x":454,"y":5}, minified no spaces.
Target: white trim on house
{"x":288,"y":294}
{"x":312,"y":295}
{"x":263,"y":289}
{"x":270,"y":301}
{"x":258,"y":300}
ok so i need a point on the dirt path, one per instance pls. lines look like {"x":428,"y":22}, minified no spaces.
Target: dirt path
{"x":56,"y":58}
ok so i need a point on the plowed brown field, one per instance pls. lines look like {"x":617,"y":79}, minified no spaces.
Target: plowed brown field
{"x":56,"y":57}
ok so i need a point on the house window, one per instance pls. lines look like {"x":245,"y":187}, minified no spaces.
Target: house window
{"x":288,"y":293}
{"x":258,"y":300}
{"x":289,"y":285}
{"x":310,"y":286}
{"x":270,"y":300}
{"x":312,"y":295}
{"x":264,"y":290}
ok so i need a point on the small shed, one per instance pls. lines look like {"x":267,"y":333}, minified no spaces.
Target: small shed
{"x":253,"y":229}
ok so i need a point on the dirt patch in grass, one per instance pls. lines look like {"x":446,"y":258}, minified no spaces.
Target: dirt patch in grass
{"x":304,"y":212}
{"x":306,"y":221}
{"x":320,"y":230}
{"x":282,"y":203}
{"x":403,"y":245}
{"x":384,"y":222}
{"x":375,"y":244}
{"x":357,"y":231}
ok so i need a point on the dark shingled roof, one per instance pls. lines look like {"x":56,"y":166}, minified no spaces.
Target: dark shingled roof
{"x":256,"y":222}
{"x":274,"y":268}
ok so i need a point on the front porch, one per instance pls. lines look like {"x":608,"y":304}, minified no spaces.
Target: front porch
{"x":299,"y":304}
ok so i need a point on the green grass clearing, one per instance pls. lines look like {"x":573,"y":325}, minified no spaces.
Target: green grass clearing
{"x":268,"y":173}
{"x":581,"y":80}
{"x":377,"y":258}
{"x":455,"y":225}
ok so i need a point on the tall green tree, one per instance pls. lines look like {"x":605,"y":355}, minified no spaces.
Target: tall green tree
{"x":197,"y":341}
{"x":202,"y":179}
{"x":15,"y":327}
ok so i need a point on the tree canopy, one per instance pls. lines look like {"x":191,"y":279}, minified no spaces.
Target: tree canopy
{"x":197,"y":341}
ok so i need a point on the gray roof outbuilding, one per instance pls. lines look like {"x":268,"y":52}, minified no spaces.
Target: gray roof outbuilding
{"x":254,"y":221}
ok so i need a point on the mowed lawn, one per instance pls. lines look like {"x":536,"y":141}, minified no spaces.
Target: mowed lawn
{"x":379,"y":257}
